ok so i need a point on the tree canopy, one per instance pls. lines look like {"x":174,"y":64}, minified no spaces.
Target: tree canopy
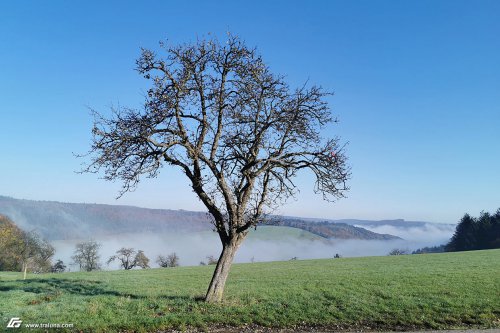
{"x":130,"y":258}
{"x":237,"y":131}
{"x":476,"y":233}
{"x":86,"y":256}
{"x":23,"y":251}
{"x":10,"y":236}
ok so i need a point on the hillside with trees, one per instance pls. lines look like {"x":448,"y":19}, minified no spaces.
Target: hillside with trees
{"x":329,"y":229}
{"x":58,"y":220}
{"x":478,"y":233}
{"x":23,"y":251}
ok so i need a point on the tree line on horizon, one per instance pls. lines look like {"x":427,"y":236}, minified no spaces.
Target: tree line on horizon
{"x":476,"y":233}
{"x":471,"y":233}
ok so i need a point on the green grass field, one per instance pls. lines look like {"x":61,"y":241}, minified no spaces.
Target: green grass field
{"x":452,"y":290}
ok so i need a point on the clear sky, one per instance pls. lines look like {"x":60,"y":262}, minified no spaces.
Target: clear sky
{"x":417,"y":92}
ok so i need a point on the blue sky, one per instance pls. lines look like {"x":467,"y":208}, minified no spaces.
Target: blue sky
{"x":417,"y":90}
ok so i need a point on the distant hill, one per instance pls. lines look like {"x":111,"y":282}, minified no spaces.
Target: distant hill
{"x":59,"y":221}
{"x":394,"y":223}
{"x":332,"y":229}
{"x":56,"y":220}
{"x":400,"y":223}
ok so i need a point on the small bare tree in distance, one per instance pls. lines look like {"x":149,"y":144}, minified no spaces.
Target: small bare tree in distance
{"x":237,"y":131}
{"x":141,"y":260}
{"x":211,"y":260}
{"x":130,"y":258}
{"x":398,"y":252}
{"x":172,"y":260}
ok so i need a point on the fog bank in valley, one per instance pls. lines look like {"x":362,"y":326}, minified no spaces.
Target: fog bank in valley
{"x":426,"y":235}
{"x":188,"y":233}
{"x":194,"y":248}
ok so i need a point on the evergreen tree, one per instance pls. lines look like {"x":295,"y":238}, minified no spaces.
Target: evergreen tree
{"x":476,"y":233}
{"x":463,"y":239}
{"x":495,"y":230}
{"x":483,"y":229}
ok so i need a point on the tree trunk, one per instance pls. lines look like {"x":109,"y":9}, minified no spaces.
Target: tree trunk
{"x":216,"y":288}
{"x":25,"y":270}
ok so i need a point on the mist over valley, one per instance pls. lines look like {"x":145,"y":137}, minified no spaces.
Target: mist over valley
{"x":190,"y":234}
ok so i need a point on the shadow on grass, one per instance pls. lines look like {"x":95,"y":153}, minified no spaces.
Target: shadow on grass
{"x":76,"y":287}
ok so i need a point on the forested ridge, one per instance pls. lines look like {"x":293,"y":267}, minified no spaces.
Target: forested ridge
{"x":58,"y":220}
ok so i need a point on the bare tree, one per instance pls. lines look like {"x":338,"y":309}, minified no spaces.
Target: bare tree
{"x":42,"y":261}
{"x":34,"y":253}
{"x":172,"y":260}
{"x":141,"y":260}
{"x":125,"y":256}
{"x":398,"y":252}
{"x":211,"y":260}
{"x":130,"y":258}
{"x":87,"y":256}
{"x":162,"y":261}
{"x":238,"y":132}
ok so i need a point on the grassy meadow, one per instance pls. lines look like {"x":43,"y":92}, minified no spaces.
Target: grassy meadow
{"x":433,"y":291}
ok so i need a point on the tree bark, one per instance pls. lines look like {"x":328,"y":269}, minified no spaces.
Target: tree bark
{"x":216,"y":288}
{"x":25,"y":270}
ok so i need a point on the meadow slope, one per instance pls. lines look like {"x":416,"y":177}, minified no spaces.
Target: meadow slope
{"x":434,"y":291}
